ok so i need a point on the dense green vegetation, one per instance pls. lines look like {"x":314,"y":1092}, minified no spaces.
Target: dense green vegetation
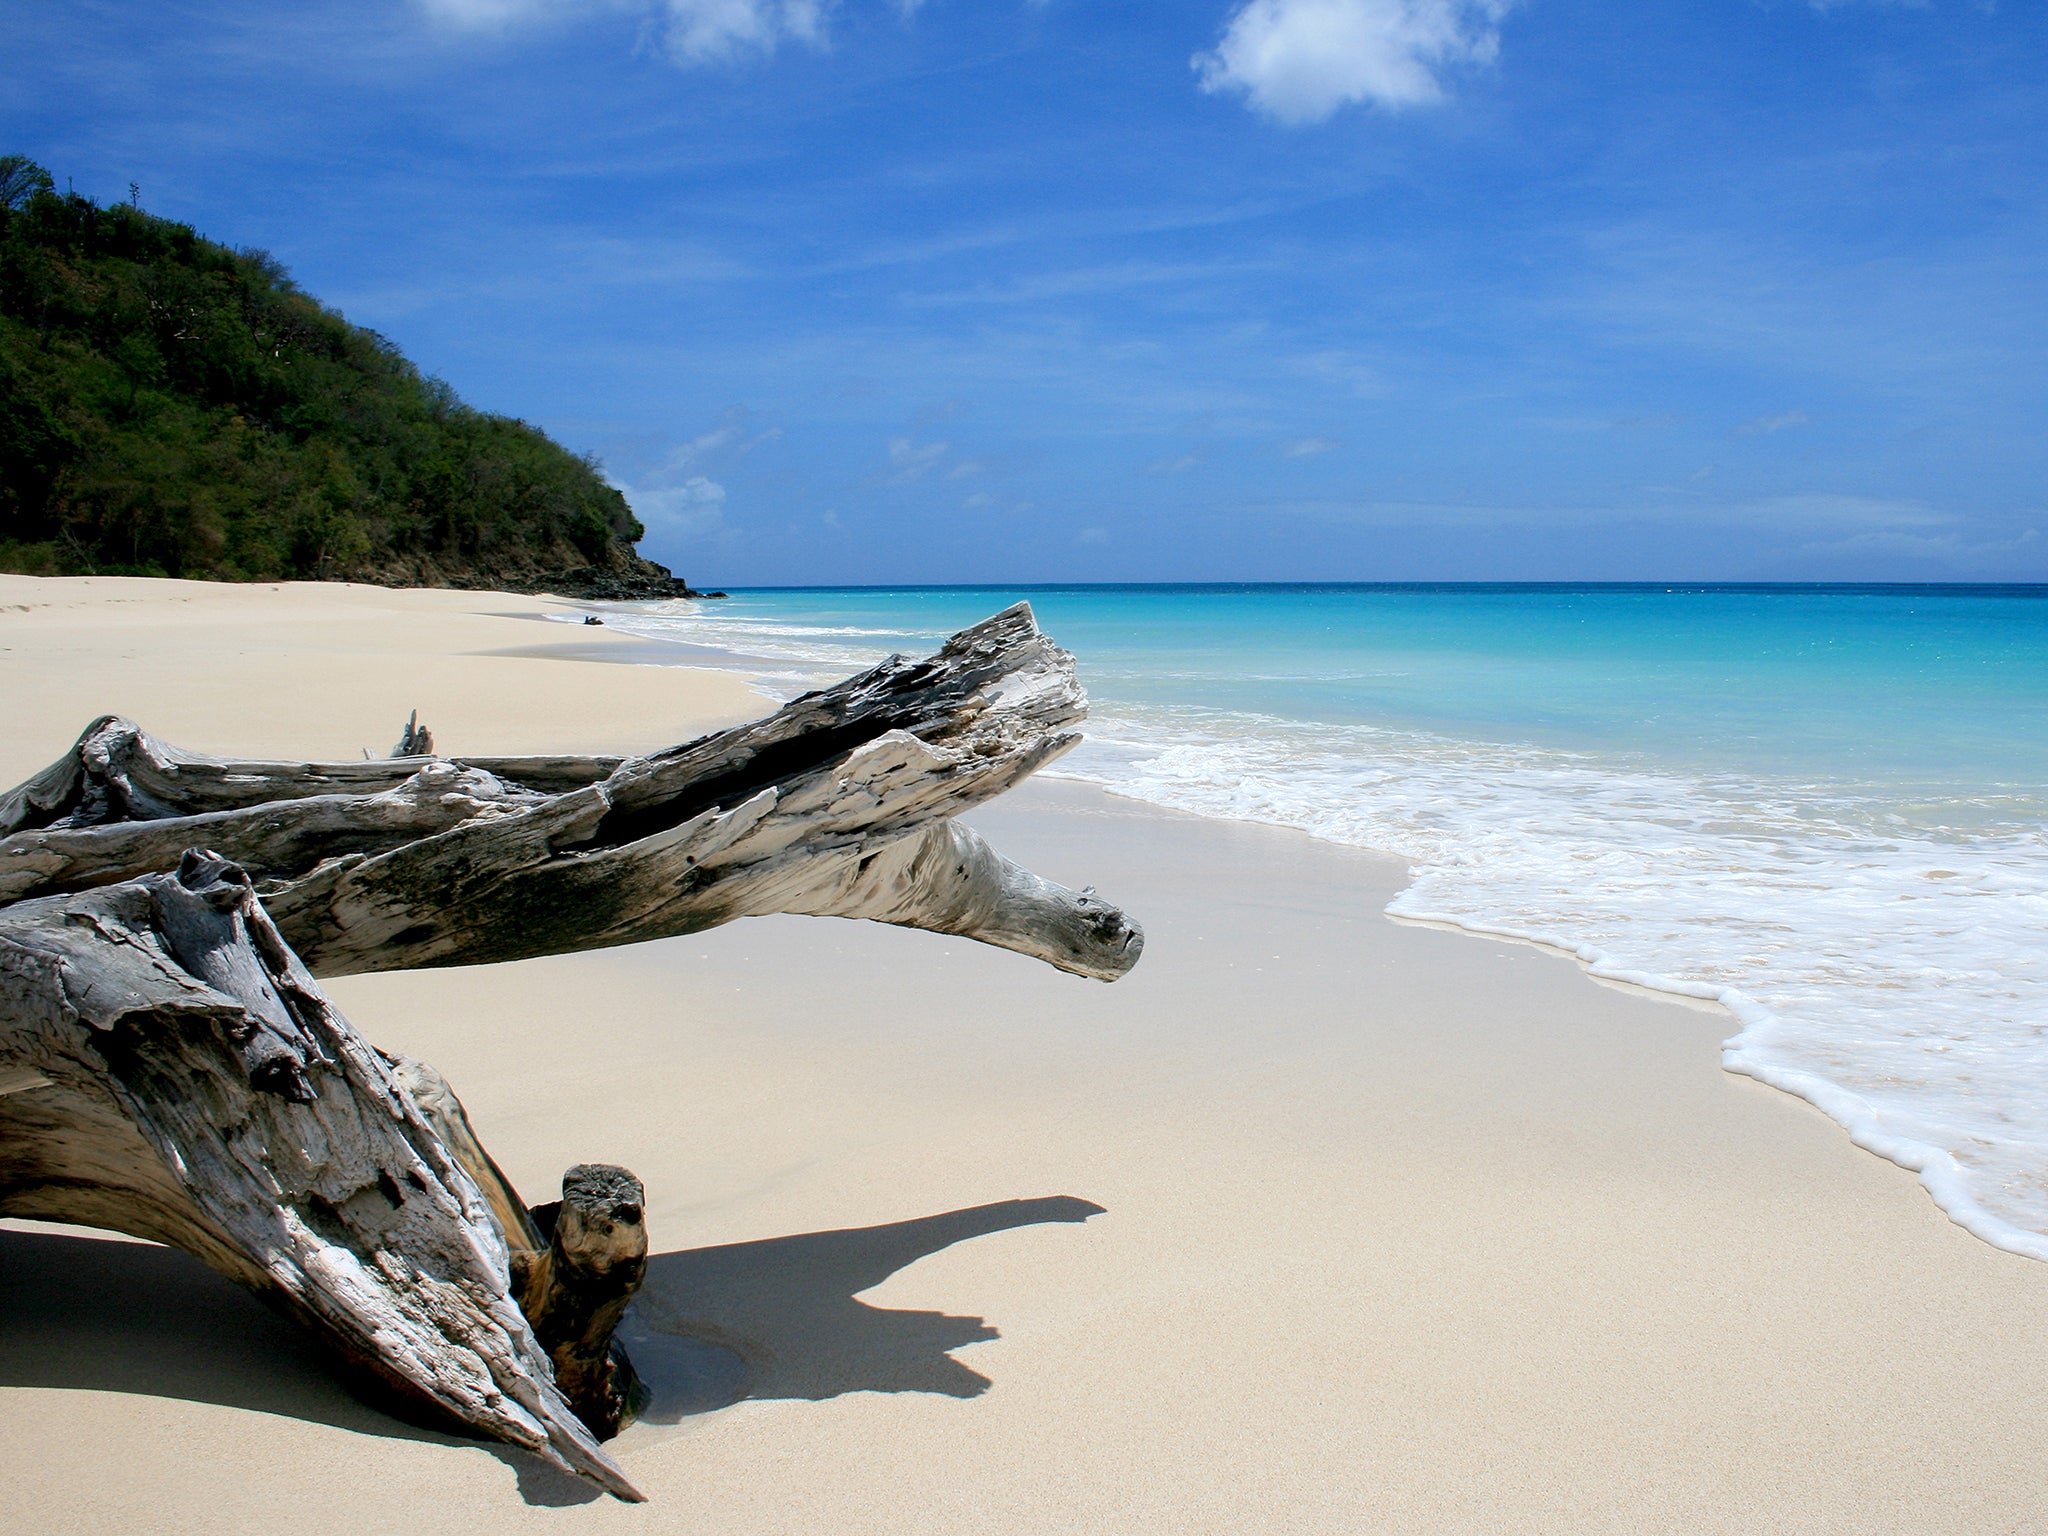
{"x":170,"y":407}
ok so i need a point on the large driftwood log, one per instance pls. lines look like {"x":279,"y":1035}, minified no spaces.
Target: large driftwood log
{"x":169,"y":1069}
{"x":839,"y":804}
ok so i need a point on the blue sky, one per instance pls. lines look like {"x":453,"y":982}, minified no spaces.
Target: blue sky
{"x":1041,"y":290}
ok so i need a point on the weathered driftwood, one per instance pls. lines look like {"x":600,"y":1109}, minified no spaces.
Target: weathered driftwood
{"x":440,"y":1108}
{"x":415,"y":740}
{"x":839,"y":804}
{"x":169,"y":1069}
{"x":572,"y":1279}
{"x":576,"y":1289}
{"x":116,"y":773}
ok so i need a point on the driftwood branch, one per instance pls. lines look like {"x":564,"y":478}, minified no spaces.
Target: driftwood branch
{"x":172,"y":1071}
{"x":840,"y":804}
{"x":169,"y":1067}
{"x":415,"y":740}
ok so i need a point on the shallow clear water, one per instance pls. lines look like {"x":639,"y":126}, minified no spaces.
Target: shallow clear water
{"x":1823,"y":806}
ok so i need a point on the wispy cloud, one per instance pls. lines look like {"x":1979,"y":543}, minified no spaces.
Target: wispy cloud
{"x":1349,"y":370}
{"x":1821,"y":514}
{"x":483,"y":15}
{"x":1920,"y":324}
{"x":1955,"y":553}
{"x":1179,"y":465}
{"x":1765,"y":426}
{"x":718,"y":31}
{"x":673,"y":495}
{"x":735,"y":431}
{"x":1299,"y":61}
{"x":910,"y":460}
{"x":1309,"y":447}
{"x":688,"y":31}
{"x":1132,"y":277}
{"x":694,"y":504}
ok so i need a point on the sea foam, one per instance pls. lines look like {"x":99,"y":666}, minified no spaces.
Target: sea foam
{"x":1893,"y":976}
{"x":1881,"y":950}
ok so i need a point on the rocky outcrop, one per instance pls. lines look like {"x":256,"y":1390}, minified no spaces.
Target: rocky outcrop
{"x":643,"y":581}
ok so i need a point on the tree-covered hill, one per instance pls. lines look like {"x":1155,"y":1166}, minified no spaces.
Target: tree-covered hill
{"x":170,"y":407}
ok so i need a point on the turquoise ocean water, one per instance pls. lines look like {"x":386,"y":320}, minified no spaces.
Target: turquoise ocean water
{"x":1826,"y":807}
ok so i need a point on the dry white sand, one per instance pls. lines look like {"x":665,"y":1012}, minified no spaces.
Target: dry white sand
{"x":1400,"y":1230}
{"x":323,"y":670}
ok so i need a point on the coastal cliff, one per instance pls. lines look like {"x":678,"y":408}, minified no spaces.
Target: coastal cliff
{"x":172,"y":407}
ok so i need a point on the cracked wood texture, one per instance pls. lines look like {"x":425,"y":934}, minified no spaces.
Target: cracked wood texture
{"x":839,"y":804}
{"x":169,"y":1069}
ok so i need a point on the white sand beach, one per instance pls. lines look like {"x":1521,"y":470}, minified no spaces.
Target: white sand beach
{"x":1399,"y":1230}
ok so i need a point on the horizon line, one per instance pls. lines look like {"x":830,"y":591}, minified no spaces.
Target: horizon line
{"x":1931,"y":588}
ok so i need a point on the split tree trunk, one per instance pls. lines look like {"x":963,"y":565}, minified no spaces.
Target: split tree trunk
{"x":839,"y":804}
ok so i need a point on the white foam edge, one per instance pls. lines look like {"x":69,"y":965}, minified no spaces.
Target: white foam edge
{"x":1938,"y":1171}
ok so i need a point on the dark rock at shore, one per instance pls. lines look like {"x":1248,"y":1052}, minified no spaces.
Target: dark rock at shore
{"x":612,"y":586}
{"x":642,"y":581}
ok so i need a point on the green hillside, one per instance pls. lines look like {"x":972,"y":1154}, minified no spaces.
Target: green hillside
{"x":170,"y":407}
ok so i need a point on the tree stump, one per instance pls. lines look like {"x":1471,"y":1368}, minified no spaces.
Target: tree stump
{"x":576,"y":1290}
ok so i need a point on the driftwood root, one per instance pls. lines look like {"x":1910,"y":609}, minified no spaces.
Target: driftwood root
{"x":577,"y":1289}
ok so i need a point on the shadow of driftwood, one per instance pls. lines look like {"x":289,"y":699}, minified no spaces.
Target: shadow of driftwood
{"x":788,"y":1307}
{"x":103,"y":1315}
{"x":777,"y":1318}
{"x":111,"y":1316}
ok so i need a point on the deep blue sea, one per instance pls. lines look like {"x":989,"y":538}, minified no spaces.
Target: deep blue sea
{"x":1822,"y":806}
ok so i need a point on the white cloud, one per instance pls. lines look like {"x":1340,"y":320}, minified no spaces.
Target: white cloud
{"x":674,"y":495}
{"x":717,"y":31}
{"x":909,"y":461}
{"x":1175,"y":466}
{"x":693,"y":505}
{"x":1300,"y":60}
{"x":478,"y":15}
{"x":1309,"y":447}
{"x":690,"y":31}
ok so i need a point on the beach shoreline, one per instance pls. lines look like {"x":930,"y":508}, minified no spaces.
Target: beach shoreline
{"x":1399,"y":1229}
{"x":1816,"y":807}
